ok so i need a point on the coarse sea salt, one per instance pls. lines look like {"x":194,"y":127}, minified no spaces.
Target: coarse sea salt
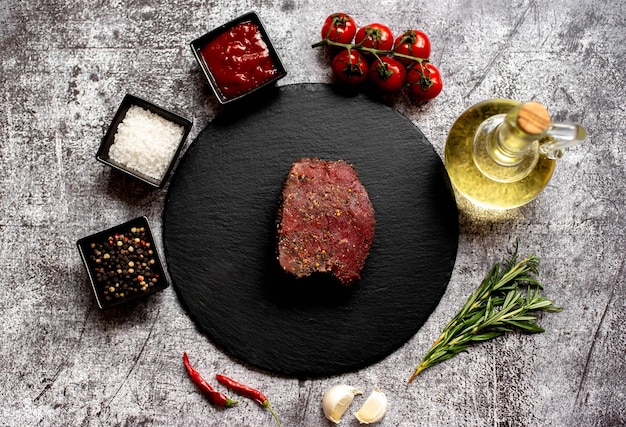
{"x":145,"y":142}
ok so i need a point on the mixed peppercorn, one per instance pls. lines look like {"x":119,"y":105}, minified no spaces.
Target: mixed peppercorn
{"x":125,"y":266}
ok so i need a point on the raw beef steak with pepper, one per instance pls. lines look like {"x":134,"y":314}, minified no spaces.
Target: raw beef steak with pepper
{"x":325,"y":220}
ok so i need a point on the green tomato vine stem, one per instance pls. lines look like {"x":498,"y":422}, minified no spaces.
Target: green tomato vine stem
{"x":377,"y":53}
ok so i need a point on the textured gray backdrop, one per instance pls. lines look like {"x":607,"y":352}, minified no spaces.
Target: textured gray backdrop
{"x":66,"y":66}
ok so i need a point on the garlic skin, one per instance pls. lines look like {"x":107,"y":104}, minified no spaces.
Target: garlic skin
{"x":374,"y":408}
{"x":336,"y":401}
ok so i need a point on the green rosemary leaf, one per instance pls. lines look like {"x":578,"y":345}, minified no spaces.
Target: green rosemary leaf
{"x":511,"y":297}
{"x":504,"y":328}
{"x":540,"y":304}
{"x":552,"y":309}
{"x":486,"y":336}
{"x":525,"y":318}
{"x":443,"y":356}
{"x":505,"y":301}
{"x":527,"y":326}
{"x":455,"y":349}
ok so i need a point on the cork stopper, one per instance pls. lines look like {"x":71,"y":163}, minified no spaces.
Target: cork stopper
{"x":533,"y":118}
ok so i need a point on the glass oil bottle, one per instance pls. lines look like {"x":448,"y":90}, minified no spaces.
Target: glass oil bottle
{"x":501,"y":153}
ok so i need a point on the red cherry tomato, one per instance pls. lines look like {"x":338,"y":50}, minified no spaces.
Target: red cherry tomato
{"x":377,"y":36}
{"x":339,"y":27}
{"x":388,"y":74}
{"x":412,"y":43}
{"x":424,"y":81}
{"x":350,"y":67}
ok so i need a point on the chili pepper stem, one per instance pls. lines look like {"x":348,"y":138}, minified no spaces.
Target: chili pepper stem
{"x":269,"y":408}
{"x":230,"y":402}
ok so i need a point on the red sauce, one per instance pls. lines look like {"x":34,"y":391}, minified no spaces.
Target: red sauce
{"x":239,"y":60}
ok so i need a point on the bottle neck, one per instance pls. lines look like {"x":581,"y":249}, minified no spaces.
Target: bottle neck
{"x":508,"y":146}
{"x":503,"y":151}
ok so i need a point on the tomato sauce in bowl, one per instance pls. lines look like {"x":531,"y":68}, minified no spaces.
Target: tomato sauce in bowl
{"x":238,"y":58}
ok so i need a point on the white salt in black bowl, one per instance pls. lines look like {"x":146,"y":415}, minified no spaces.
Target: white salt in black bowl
{"x":144,"y":141}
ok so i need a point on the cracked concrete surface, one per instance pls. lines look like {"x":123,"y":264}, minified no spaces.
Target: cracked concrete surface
{"x":65,"y":68}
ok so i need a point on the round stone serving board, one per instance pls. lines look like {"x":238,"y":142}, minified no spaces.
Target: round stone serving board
{"x":219,"y":232}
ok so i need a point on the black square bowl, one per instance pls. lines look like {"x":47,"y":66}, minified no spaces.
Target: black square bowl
{"x":123,"y":263}
{"x":198,"y":44}
{"x":109,"y":138}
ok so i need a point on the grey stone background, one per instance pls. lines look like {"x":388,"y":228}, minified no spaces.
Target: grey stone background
{"x":66,"y":66}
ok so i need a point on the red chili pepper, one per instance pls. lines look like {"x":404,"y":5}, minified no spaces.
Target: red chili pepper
{"x":248,"y":392}
{"x":214,"y":396}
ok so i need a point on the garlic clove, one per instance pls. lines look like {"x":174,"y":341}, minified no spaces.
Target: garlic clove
{"x":374,"y":408}
{"x":336,"y":401}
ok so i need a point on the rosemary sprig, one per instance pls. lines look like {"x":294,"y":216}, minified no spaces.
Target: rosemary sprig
{"x":505,"y":301}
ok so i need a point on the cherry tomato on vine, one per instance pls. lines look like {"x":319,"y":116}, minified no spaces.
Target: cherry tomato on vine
{"x":388,"y":74}
{"x":424,"y":81}
{"x":412,"y":43}
{"x":350,"y":67}
{"x":377,"y":36}
{"x":339,"y":27}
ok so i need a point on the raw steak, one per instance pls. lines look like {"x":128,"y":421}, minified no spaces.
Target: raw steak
{"x":325,"y":221}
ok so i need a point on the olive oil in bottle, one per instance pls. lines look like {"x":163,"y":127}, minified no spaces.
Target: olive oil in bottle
{"x":501,"y":153}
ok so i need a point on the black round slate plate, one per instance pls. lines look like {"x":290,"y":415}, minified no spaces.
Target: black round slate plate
{"x":219,"y":232}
